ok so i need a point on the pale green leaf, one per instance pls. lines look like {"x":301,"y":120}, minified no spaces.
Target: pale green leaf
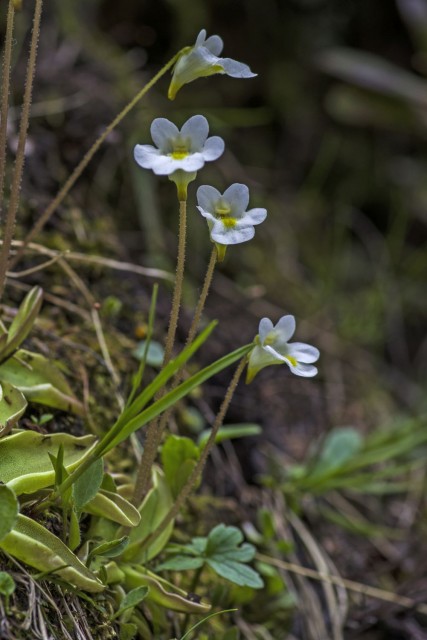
{"x":161,"y":591}
{"x":40,"y":381}
{"x":34,"y":545}
{"x":113,"y":506}
{"x":25,"y":464}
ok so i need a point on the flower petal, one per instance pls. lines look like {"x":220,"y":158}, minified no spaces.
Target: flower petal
{"x":265,"y":326}
{"x":201,"y":38}
{"x":207,"y":197}
{"x":213,"y":149}
{"x":304,"y":370}
{"x":303,"y":352}
{"x":163,"y":132}
{"x":256,"y":216}
{"x":145,"y":155}
{"x":285,"y":328}
{"x":214,"y":44}
{"x":237,"y":196}
{"x":197,"y":130}
{"x":231,"y":235}
{"x":236,"y":69}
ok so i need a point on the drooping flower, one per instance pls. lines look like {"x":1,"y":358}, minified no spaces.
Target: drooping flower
{"x":226,"y":215}
{"x":179,"y":154}
{"x":272,"y":347}
{"x":202,"y":60}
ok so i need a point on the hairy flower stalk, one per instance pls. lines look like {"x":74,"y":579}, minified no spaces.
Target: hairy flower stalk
{"x":7,"y":57}
{"x":20,"y":154}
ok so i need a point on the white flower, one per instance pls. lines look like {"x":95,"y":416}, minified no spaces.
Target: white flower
{"x":226,"y":215}
{"x":202,"y":60}
{"x":272,"y":347}
{"x":186,"y":150}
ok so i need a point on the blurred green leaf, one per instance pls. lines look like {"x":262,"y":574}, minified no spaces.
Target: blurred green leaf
{"x":155,"y":353}
{"x":231,"y":432}
{"x":131,"y":600}
{"x":179,"y":457}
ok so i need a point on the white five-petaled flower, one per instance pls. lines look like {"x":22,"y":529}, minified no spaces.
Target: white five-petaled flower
{"x":226,"y":215}
{"x":272,"y":347}
{"x":202,"y":60}
{"x":186,"y":150}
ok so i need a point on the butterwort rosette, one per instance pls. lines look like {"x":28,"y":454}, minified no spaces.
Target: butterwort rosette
{"x":227,"y":216}
{"x":203,"y":60}
{"x":272,"y":347}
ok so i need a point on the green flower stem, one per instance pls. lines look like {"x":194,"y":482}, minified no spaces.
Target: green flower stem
{"x":88,"y":157}
{"x":198,"y":469}
{"x":20,"y":153}
{"x":155,"y":428}
{"x":7,"y":57}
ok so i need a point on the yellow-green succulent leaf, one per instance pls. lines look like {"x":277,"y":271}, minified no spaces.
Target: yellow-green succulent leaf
{"x":40,"y":381}
{"x":112,"y":506}
{"x":161,"y":591}
{"x":34,"y":545}
{"x":25,"y":463}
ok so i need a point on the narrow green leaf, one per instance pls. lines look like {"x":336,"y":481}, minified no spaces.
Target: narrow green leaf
{"x":230,"y":432}
{"x":23,"y":322}
{"x":74,"y":535}
{"x":9,"y":509}
{"x":176,"y":394}
{"x":139,"y":374}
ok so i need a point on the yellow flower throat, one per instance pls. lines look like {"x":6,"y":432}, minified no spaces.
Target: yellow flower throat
{"x":222,"y":211}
